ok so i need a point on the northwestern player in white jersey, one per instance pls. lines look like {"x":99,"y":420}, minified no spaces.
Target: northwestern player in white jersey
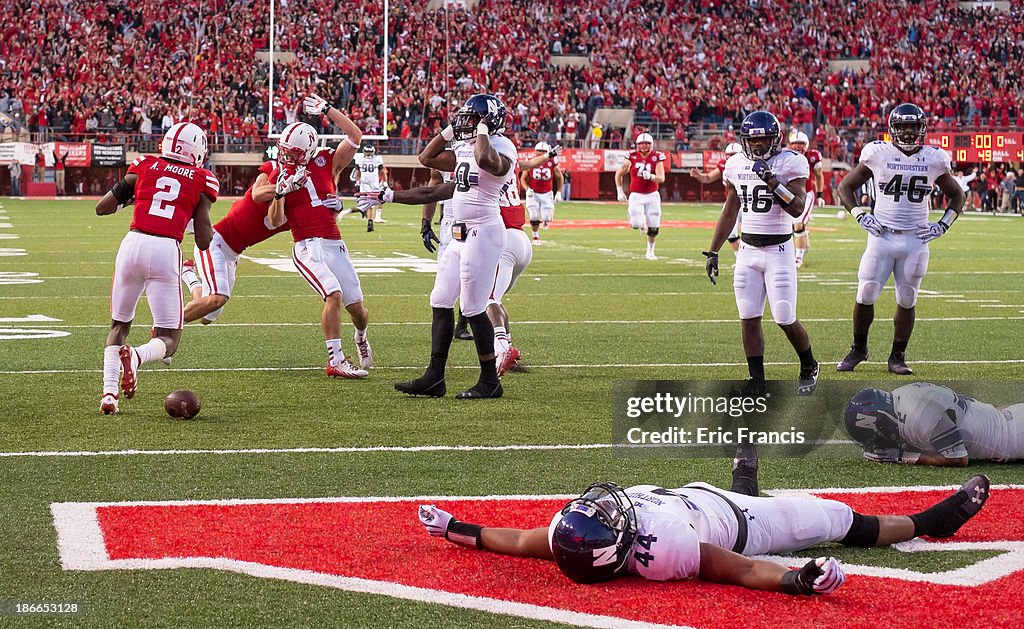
{"x":768,"y":185}
{"x":482,"y":161}
{"x":429,"y":237}
{"x":928,"y":424}
{"x":371,"y":176}
{"x":699,"y":531}
{"x":904,"y":171}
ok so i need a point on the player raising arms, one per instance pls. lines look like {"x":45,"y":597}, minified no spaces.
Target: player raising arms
{"x":904,"y":171}
{"x":714,"y":175}
{"x":305,"y":178}
{"x":168,"y":191}
{"x":646,"y":170}
{"x":815,"y":183}
{"x":540,"y":182}
{"x":483,"y":161}
{"x":767,"y":184}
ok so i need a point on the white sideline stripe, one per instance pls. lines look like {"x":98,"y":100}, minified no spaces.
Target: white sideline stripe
{"x":22,"y":372}
{"x":313,"y":450}
{"x":81,"y":547}
{"x":559,"y":322}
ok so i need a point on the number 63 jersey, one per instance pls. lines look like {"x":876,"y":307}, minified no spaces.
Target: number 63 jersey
{"x":167,"y":194}
{"x":762,"y":214}
{"x":903,"y":182}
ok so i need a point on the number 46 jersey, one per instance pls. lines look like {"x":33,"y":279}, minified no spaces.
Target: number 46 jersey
{"x":762,"y":215}
{"x":166,"y":195}
{"x":903,"y":182}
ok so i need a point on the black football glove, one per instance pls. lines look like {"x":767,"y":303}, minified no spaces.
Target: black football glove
{"x":818,"y":576}
{"x":711,"y":266}
{"x":429,"y":237}
{"x":494,"y":122}
{"x":762,"y":170}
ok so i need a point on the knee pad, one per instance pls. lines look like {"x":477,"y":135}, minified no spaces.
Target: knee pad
{"x":652,"y":231}
{"x":863,"y":532}
{"x":534,"y":223}
{"x":867,"y":293}
{"x":784,"y":313}
{"x":906,"y":296}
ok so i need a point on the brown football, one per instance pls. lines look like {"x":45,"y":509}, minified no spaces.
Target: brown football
{"x":182,"y":404}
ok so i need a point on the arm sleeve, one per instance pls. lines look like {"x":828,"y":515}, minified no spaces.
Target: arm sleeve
{"x":139,"y":163}
{"x":211,"y":185}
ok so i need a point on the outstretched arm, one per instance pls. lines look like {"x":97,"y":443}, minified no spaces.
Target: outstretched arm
{"x":513,"y":542}
{"x":818,"y":576}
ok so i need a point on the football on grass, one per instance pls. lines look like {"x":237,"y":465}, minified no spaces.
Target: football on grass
{"x":182,"y":404}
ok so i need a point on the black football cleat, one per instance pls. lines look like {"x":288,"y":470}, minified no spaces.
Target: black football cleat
{"x":463,"y":334}
{"x":753,"y":388}
{"x":481,"y":391}
{"x":854,"y":358}
{"x":744,"y":470}
{"x":369,"y":225}
{"x":426,"y":385}
{"x":898,"y":364}
{"x":808,"y":381}
{"x":972,"y":496}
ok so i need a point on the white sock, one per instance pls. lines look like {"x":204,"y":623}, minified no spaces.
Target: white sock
{"x":190,"y":279}
{"x":501,"y":340}
{"x":155,"y":349}
{"x":380,"y":214}
{"x":800,"y":253}
{"x":536,"y":232}
{"x":360,"y":334}
{"x":334,"y":353}
{"x":650,"y":247}
{"x":111,"y":369}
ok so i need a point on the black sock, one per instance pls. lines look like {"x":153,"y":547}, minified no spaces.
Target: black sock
{"x":441,"y":331}
{"x":860,"y":342}
{"x":744,"y":481}
{"x":899,"y":347}
{"x":483,"y":337}
{"x":462,"y":322}
{"x":937,"y":517}
{"x":806,"y":359}
{"x":755,"y":365}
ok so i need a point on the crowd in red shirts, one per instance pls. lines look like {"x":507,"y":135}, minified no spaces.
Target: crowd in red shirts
{"x":80,"y":68}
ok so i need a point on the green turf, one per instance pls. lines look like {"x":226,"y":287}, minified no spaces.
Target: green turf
{"x":588,"y":311}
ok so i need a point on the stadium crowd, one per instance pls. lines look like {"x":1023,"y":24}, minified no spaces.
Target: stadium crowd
{"x":73,"y":69}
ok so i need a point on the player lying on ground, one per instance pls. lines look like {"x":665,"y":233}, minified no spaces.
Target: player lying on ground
{"x":703,"y":532}
{"x":928,"y":424}
{"x":168,"y":191}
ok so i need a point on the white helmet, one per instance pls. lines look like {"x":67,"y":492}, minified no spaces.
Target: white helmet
{"x":799,"y":137}
{"x":185,"y":142}
{"x":542,"y":147}
{"x":644,"y":137}
{"x":296,"y":146}
{"x":733,"y":148}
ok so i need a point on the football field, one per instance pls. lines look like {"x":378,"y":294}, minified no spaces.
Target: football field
{"x":279,"y":505}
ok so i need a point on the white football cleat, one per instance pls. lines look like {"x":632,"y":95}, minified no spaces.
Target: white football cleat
{"x":365,"y":352}
{"x":799,"y":262}
{"x":345,"y":369}
{"x":650,"y":256}
{"x":108,"y":404}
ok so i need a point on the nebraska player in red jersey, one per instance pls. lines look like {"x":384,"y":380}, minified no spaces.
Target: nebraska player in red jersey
{"x":211,"y":277}
{"x":305,"y":178}
{"x":646,"y":170}
{"x":815,"y":183}
{"x":540,"y":182}
{"x":168,"y":191}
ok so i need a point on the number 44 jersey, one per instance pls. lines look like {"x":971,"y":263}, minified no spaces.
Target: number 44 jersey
{"x":762,"y":214}
{"x":903,"y":182}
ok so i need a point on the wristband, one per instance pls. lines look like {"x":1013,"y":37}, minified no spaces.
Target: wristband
{"x":464,"y":534}
{"x":792,"y":584}
{"x":482,"y":128}
{"x":278,"y":197}
{"x":784,"y":194}
{"x":859,"y":212}
{"x":354,"y":145}
{"x":424,"y":225}
{"x":820,"y":195}
{"x":947,"y":219}
{"x":448,"y":133}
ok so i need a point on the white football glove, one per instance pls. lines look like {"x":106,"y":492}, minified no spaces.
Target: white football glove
{"x":553,"y":153}
{"x":332,"y":203}
{"x":821,"y":201}
{"x":314,"y":105}
{"x":366,"y":201}
{"x":289,"y":183}
{"x":436,"y":520}
{"x":620,"y":195}
{"x":930,"y":232}
{"x":832,"y":575}
{"x":529,"y":194}
{"x":867,"y":221}
{"x":648,"y":175}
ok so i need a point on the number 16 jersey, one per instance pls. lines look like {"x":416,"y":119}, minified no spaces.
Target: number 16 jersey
{"x":762,"y":215}
{"x":903,"y":182}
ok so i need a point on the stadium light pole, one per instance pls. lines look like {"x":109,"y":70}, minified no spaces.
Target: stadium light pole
{"x":387,"y":33}
{"x":270,"y":96}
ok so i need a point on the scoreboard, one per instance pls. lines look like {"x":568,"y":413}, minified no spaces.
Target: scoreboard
{"x":980,"y":147}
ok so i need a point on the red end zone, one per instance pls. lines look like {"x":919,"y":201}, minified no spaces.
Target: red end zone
{"x":382,"y":542}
